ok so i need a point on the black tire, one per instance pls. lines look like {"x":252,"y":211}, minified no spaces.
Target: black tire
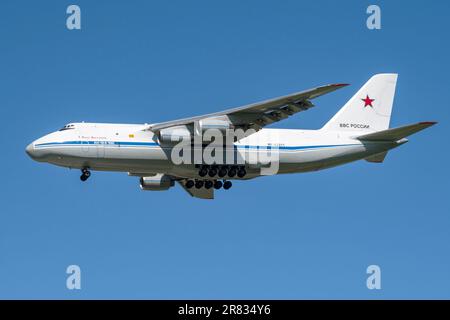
{"x":227,"y":185}
{"x":190,"y":184}
{"x":212,"y":172}
{"x":218,"y":184}
{"x":232,"y":172}
{"x":199,"y":184}
{"x":208,"y":184}
{"x":87,"y":173}
{"x":241,"y":173}
{"x":203,"y":172}
{"x":83,"y":177}
{"x":222,"y":172}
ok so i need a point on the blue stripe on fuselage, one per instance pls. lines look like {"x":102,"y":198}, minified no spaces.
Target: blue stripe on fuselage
{"x":154,"y":144}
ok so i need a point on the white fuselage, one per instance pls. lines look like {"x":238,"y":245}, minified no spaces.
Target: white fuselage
{"x":131,"y":148}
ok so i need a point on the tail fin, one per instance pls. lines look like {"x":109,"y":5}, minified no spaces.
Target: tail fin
{"x":369,"y":109}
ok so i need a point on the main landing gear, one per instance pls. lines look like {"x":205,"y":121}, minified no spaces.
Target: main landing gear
{"x":221,"y":171}
{"x":208,"y":184}
{"x":85,"y":174}
{"x":213,"y":174}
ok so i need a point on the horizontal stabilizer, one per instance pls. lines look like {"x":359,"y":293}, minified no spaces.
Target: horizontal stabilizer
{"x":396,"y":134}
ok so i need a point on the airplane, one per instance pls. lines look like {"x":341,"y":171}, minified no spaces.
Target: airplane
{"x":359,"y":130}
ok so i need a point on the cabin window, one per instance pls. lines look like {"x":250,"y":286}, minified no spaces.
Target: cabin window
{"x":67,"y":127}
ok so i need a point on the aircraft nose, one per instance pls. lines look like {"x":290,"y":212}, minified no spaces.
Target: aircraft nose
{"x":30,"y":149}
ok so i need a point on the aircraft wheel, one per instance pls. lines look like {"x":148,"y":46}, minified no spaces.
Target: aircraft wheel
{"x":85,"y":174}
{"x":208,"y":184}
{"x":222,"y":172}
{"x":203,"y":172}
{"x":212,"y":172}
{"x":190,"y":184}
{"x":227,"y":185}
{"x":218,"y":184}
{"x":232,"y":172}
{"x":199,"y":184}
{"x":241,"y":173}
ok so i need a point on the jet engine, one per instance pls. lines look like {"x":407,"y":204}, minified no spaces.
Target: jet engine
{"x":159,"y":182}
{"x":175,"y":134}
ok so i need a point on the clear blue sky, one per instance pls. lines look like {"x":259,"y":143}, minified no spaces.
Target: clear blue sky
{"x":294,"y":236}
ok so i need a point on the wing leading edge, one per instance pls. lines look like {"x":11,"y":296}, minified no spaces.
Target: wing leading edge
{"x":260,"y":114}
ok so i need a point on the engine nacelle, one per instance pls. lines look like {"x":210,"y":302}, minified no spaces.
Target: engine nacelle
{"x":158,"y":182}
{"x":217,"y":124}
{"x":175,"y":134}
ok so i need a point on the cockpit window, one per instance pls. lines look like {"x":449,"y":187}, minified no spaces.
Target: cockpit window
{"x":67,"y":127}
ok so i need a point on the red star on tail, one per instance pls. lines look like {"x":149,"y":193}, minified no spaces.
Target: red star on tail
{"x":368,"y":101}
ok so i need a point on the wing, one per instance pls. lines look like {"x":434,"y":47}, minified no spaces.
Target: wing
{"x":257,"y":115}
{"x":198,"y":193}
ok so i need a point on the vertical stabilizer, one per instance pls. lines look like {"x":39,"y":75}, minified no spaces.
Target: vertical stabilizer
{"x":369,"y":109}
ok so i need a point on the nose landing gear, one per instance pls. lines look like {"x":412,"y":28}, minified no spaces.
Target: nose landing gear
{"x":85,"y":174}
